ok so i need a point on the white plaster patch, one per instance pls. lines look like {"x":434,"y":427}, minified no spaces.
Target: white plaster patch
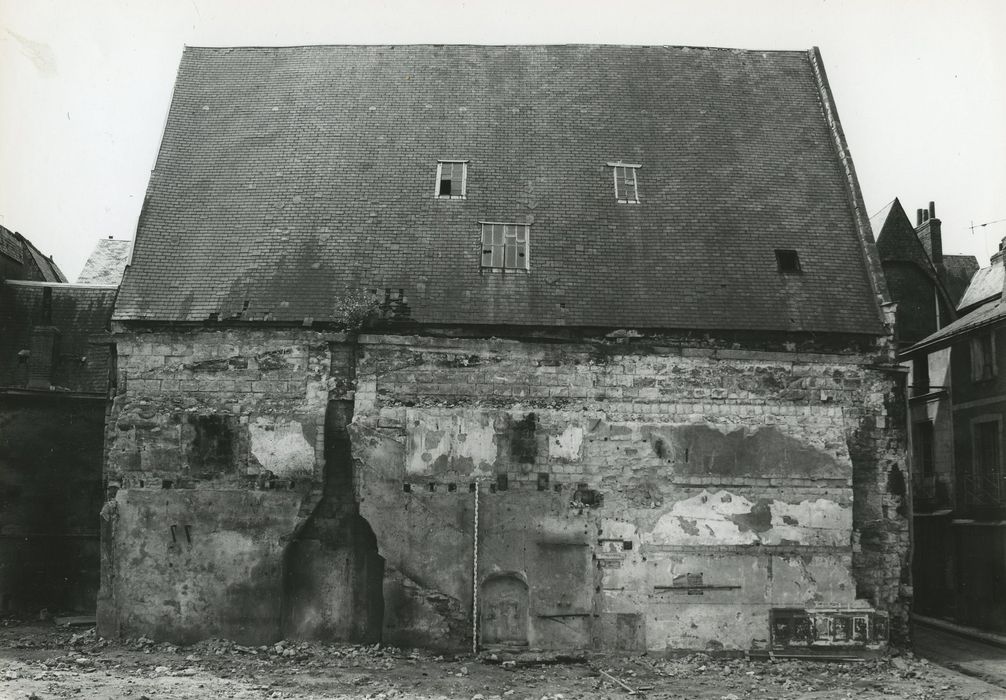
{"x":819,"y":522}
{"x":566,"y":446}
{"x":281,"y":447}
{"x":457,"y":437}
{"x":704,"y":519}
{"x":711,"y":519}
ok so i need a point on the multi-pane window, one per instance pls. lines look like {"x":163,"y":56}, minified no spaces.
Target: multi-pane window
{"x":505,"y":246}
{"x":987,"y":448}
{"x":452,"y":179}
{"x":626,"y":182}
{"x":983,"y":357}
{"x":924,"y":448}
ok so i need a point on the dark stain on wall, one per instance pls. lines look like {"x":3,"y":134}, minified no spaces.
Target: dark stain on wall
{"x":523,"y":445}
{"x":332,"y":582}
{"x":697,"y":450}
{"x":213,"y":442}
{"x":758,"y":519}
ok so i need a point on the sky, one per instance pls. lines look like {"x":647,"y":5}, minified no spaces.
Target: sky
{"x":85,"y":86}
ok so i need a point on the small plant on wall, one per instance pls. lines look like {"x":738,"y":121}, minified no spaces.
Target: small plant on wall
{"x":355,"y":308}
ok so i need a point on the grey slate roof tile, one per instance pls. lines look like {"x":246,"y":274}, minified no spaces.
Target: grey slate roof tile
{"x":289,"y":175}
{"x":106,"y":263}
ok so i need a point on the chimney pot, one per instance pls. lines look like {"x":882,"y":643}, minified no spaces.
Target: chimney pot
{"x":932,"y":210}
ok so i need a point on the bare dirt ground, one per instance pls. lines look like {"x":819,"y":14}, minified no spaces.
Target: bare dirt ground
{"x":40,"y":661}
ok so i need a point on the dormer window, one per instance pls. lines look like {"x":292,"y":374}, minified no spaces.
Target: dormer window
{"x":626,"y":182}
{"x":505,"y":246}
{"x":452,"y":179}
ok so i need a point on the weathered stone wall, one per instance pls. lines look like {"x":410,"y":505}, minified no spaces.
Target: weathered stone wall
{"x":628,"y":495}
{"x":646,"y":498}
{"x":216,"y":442}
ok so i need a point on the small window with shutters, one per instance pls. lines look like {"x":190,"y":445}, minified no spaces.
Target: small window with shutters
{"x":626,"y":182}
{"x":505,"y":245}
{"x":452,"y":179}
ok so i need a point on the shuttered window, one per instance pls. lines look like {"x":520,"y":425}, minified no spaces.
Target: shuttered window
{"x":626,"y":182}
{"x":505,"y":245}
{"x":452,"y":179}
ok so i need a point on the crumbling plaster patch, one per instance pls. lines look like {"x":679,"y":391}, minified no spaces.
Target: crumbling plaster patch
{"x":281,"y":447}
{"x":724,"y":518}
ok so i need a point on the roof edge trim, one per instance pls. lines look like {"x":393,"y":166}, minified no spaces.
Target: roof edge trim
{"x":874,"y":271}
{"x":59,"y":285}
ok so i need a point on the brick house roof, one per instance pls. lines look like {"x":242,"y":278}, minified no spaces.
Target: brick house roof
{"x":287,"y":176}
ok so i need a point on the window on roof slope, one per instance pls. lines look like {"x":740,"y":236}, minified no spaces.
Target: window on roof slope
{"x":626,"y":182}
{"x":983,"y":357}
{"x":787,"y":260}
{"x":505,"y":245}
{"x":452,"y":179}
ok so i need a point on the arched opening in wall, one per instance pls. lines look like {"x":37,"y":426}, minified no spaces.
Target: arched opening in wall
{"x":333,"y":573}
{"x":503,"y":614}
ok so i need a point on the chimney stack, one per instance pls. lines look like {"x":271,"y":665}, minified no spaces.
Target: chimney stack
{"x":918,"y":217}
{"x":930,"y":235}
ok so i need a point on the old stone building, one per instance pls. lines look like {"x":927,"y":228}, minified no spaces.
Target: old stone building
{"x":557,"y":346}
{"x":55,"y":360}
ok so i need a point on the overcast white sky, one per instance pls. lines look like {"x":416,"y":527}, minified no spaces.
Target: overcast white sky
{"x":85,"y":86}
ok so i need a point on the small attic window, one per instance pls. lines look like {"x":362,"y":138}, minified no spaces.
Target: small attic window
{"x":626,"y":182}
{"x":452,"y":179}
{"x":788,"y":260}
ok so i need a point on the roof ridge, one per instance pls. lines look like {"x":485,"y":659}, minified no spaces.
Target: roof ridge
{"x":517,"y":45}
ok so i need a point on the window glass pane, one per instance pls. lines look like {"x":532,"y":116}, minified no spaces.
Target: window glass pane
{"x":445,"y":187}
{"x":498,"y":233}
{"x":487,"y":256}
{"x":521,"y":234}
{"x":487,"y":235}
{"x":511,"y":255}
{"x":497,"y":258}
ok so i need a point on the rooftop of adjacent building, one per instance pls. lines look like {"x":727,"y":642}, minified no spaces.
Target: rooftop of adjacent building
{"x":106,"y":263}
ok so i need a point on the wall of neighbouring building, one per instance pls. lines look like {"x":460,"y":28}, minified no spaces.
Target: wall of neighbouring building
{"x":628,"y":495}
{"x":50,"y":494}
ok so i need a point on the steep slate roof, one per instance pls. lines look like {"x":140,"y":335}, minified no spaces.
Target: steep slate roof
{"x":288,"y":175}
{"x":960,"y":269}
{"x":986,"y":284}
{"x":106,"y":263}
{"x":80,"y":313}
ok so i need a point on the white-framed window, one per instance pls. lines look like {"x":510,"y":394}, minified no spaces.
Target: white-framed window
{"x":626,"y":182}
{"x":983,"y":357}
{"x":505,"y":245}
{"x":452,"y":179}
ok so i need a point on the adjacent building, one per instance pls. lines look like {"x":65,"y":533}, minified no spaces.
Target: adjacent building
{"x":55,"y":365}
{"x":548,"y":346}
{"x":960,"y":570}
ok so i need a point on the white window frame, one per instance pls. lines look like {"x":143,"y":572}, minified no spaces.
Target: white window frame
{"x":621,"y":197}
{"x":518,"y":229}
{"x":464,"y":179}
